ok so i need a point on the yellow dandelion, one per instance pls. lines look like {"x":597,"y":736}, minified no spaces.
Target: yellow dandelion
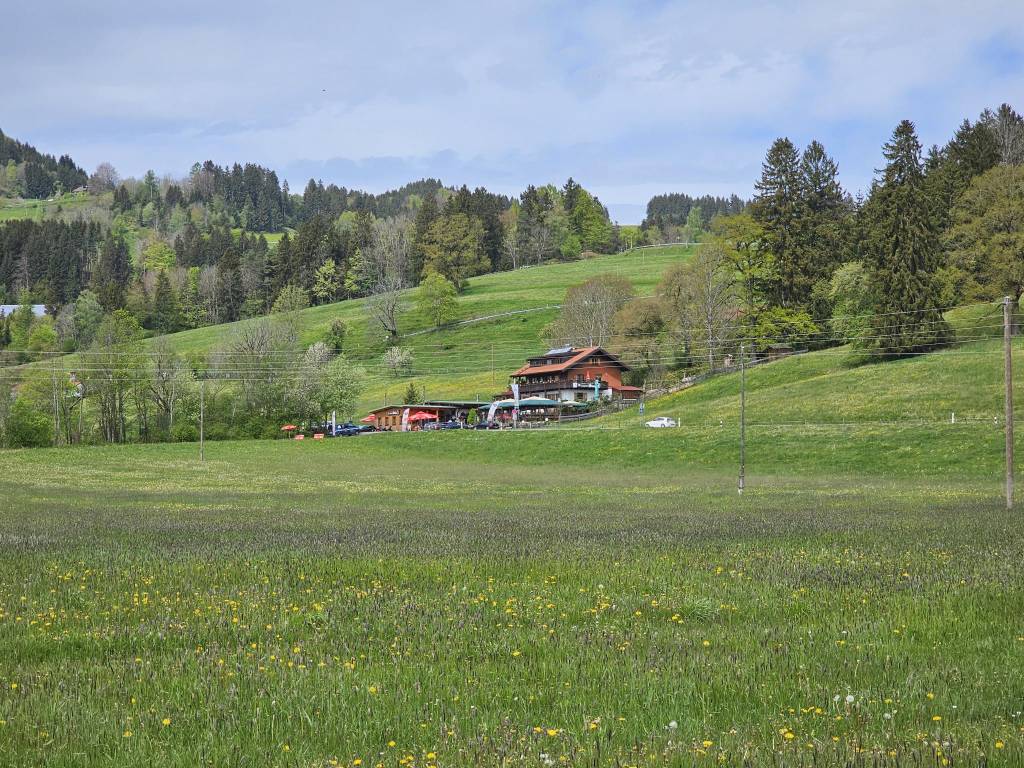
{"x":166,"y":721}
{"x":708,"y":743}
{"x":788,"y":736}
{"x":126,"y":735}
{"x":999,"y":744}
{"x":552,"y":731}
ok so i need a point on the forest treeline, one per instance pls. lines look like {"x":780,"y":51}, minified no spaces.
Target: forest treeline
{"x":805,"y":265}
{"x":27,"y":172}
{"x":223,"y":244}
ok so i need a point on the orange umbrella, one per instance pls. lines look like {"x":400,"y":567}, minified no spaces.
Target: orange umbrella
{"x":368,"y":419}
{"x":422,"y":416}
{"x":288,"y":428}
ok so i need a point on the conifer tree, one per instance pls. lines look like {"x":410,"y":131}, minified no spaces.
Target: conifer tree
{"x":283,"y":273}
{"x":776,"y":208}
{"x":110,"y":278}
{"x":903,"y":252}
{"x":425,"y":216}
{"x":166,"y":314}
{"x":823,"y":213}
{"x":229,"y":286}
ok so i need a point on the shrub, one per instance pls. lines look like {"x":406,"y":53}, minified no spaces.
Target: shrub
{"x":27,"y":427}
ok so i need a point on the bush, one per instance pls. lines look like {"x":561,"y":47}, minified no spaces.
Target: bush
{"x":335,"y":336}
{"x":27,"y":427}
{"x":185,"y":432}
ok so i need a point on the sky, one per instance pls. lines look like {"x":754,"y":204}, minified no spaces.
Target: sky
{"x":631,"y":99}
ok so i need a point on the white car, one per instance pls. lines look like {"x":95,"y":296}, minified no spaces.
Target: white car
{"x":661,"y":421}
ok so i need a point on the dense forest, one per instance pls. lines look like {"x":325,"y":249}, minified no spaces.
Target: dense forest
{"x":681,"y":215}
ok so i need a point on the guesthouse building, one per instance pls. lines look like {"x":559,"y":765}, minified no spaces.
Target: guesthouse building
{"x":575,"y":374}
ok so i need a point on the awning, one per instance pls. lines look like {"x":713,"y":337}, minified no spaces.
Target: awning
{"x":422,"y":416}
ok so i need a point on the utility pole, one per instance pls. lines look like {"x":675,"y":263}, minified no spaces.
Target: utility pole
{"x":56,"y":408}
{"x":743,"y":421}
{"x":202,"y":415}
{"x":1008,"y":377}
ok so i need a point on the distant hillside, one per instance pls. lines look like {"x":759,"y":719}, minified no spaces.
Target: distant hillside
{"x":27,"y":172}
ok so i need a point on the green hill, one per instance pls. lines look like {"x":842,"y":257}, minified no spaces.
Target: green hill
{"x":468,"y":360}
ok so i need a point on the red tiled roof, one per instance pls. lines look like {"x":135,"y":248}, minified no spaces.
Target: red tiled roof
{"x":579,"y":355}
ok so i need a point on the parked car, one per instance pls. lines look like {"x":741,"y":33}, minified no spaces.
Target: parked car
{"x":347,"y":429}
{"x":367,"y":428}
{"x":487,"y":425}
{"x":452,"y":425}
{"x":661,"y":421}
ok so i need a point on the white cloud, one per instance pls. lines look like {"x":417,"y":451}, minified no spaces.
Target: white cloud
{"x":637,"y":97}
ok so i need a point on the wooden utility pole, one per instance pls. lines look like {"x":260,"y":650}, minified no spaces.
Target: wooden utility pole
{"x":743,"y":421}
{"x":1008,"y":378}
{"x":202,"y":415}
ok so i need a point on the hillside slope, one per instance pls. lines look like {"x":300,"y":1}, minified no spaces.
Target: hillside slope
{"x":467,"y":360}
{"x":830,"y":411}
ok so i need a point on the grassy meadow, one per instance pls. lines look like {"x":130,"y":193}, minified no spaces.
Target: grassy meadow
{"x":70,"y":205}
{"x":544,"y":598}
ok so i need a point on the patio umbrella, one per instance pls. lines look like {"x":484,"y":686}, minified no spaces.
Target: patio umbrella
{"x":288,"y":428}
{"x":422,"y":416}
{"x":368,"y":419}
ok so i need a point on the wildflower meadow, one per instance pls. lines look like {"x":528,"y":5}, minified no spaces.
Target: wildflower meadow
{"x":348,"y":604}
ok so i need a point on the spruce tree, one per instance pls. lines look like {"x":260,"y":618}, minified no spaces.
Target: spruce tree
{"x":425,"y":216}
{"x":823,"y":213}
{"x":903,"y":252}
{"x":229,"y":286}
{"x":110,"y":278}
{"x":283,"y":272}
{"x":166,"y":314}
{"x":776,"y":208}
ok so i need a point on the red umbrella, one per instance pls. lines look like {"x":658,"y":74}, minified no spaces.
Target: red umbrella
{"x":368,"y":419}
{"x":422,"y":416}
{"x":288,"y":428}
